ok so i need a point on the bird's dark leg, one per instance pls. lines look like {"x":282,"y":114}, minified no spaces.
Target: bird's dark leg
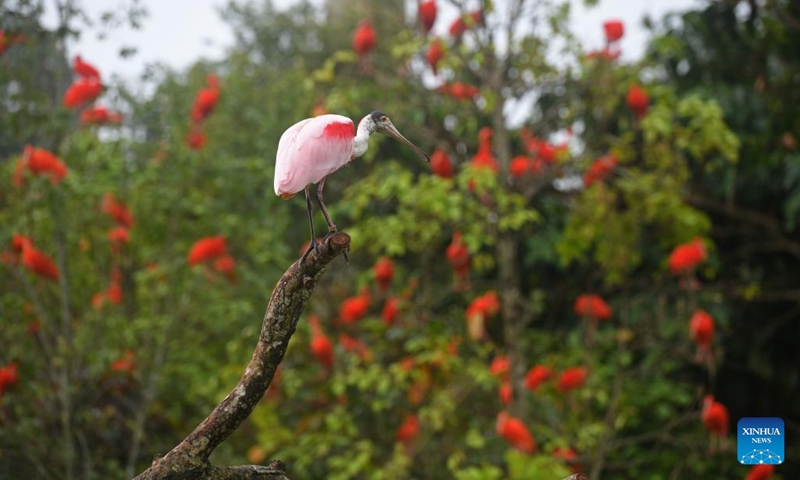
{"x":331,"y":225}
{"x":313,"y":244}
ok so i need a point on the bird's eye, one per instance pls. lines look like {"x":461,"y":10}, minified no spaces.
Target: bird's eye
{"x":384,"y":118}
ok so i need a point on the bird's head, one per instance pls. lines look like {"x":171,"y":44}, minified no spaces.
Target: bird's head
{"x":380,"y":123}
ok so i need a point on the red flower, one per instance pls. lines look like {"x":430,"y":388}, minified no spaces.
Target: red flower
{"x":354,"y":309}
{"x":125,"y":363}
{"x":483,"y":158}
{"x":206,"y":99}
{"x":500,"y":366}
{"x":457,"y":28}
{"x":8,"y":377}
{"x":505,"y":392}
{"x":114,"y":292}
{"x":84,"y":69}
{"x":715,"y":417}
{"x":117,"y":210}
{"x":536,"y":376}
{"x":637,"y":100}
{"x":515,"y":433}
{"x":701,"y":327}
{"x":98,"y":115}
{"x":435,"y":54}
{"x":119,"y":235}
{"x":196,"y":140}
{"x":82,"y":91}
{"x":207,"y":249}
{"x":383,"y":272}
{"x":486,"y":304}
{"x":39,"y":263}
{"x":592,"y":306}
{"x":427,"y":14}
{"x":441,"y":164}
{"x":600,"y":170}
{"x":389,"y":312}
{"x":458,"y":256}
{"x":321,"y":345}
{"x":352,"y":344}
{"x":459,"y":25}
{"x":571,"y":379}
{"x":43,"y":162}
{"x":519,"y":165}
{"x":479,"y":310}
{"x":460,"y":90}
{"x":686,"y":256}
{"x":614,"y":30}
{"x":19,"y":242}
{"x":407,"y":432}
{"x":364,"y":39}
{"x":569,"y":456}
{"x":760,"y":472}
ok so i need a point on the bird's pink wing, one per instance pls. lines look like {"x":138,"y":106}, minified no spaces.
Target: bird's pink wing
{"x":312,"y":149}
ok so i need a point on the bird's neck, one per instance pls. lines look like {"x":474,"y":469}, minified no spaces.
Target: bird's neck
{"x":361,"y":142}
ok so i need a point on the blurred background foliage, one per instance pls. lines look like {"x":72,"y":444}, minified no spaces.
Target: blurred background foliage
{"x":102,"y":386}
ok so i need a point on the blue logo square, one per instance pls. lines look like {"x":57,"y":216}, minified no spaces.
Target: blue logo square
{"x":760,"y":440}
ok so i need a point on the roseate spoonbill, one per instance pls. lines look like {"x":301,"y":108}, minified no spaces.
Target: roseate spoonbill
{"x":314,"y":148}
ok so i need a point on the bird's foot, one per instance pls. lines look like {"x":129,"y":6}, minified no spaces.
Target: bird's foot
{"x":312,"y":245}
{"x":331,"y":231}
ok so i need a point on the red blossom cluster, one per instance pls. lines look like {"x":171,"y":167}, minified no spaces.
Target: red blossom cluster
{"x":435,"y":54}
{"x":536,"y":376}
{"x":355,"y":308}
{"x":427,"y":15}
{"x":39,"y":162}
{"x":481,"y":309}
{"x":124,"y":364}
{"x":204,"y":103}
{"x":441,"y":165}
{"x":8,"y":377}
{"x":760,"y":472}
{"x":460,"y":90}
{"x":118,"y":237}
{"x":600,"y":169}
{"x":715,"y":417}
{"x":687,"y":256}
{"x":571,"y":379}
{"x":213,"y":253}
{"x":84,"y":91}
{"x":364,"y":41}
{"x":112,"y":294}
{"x":383,"y":271}
{"x":515,"y":432}
{"x":321,"y":346}
{"x":462,"y":23}
{"x":592,"y":306}
{"x":701,"y":327}
{"x":408,"y":431}
{"x":638,"y":100}
{"x":614,"y":31}
{"x":35,"y":261}
{"x":459,"y":259}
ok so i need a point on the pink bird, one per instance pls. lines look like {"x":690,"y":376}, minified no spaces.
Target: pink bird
{"x":314,"y":148}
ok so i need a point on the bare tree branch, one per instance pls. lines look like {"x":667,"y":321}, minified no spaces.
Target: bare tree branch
{"x":189,"y":460}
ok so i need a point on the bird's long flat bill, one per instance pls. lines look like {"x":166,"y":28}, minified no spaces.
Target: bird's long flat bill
{"x":391,"y":130}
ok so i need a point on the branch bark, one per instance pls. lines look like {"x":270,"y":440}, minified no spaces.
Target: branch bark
{"x":189,"y":459}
